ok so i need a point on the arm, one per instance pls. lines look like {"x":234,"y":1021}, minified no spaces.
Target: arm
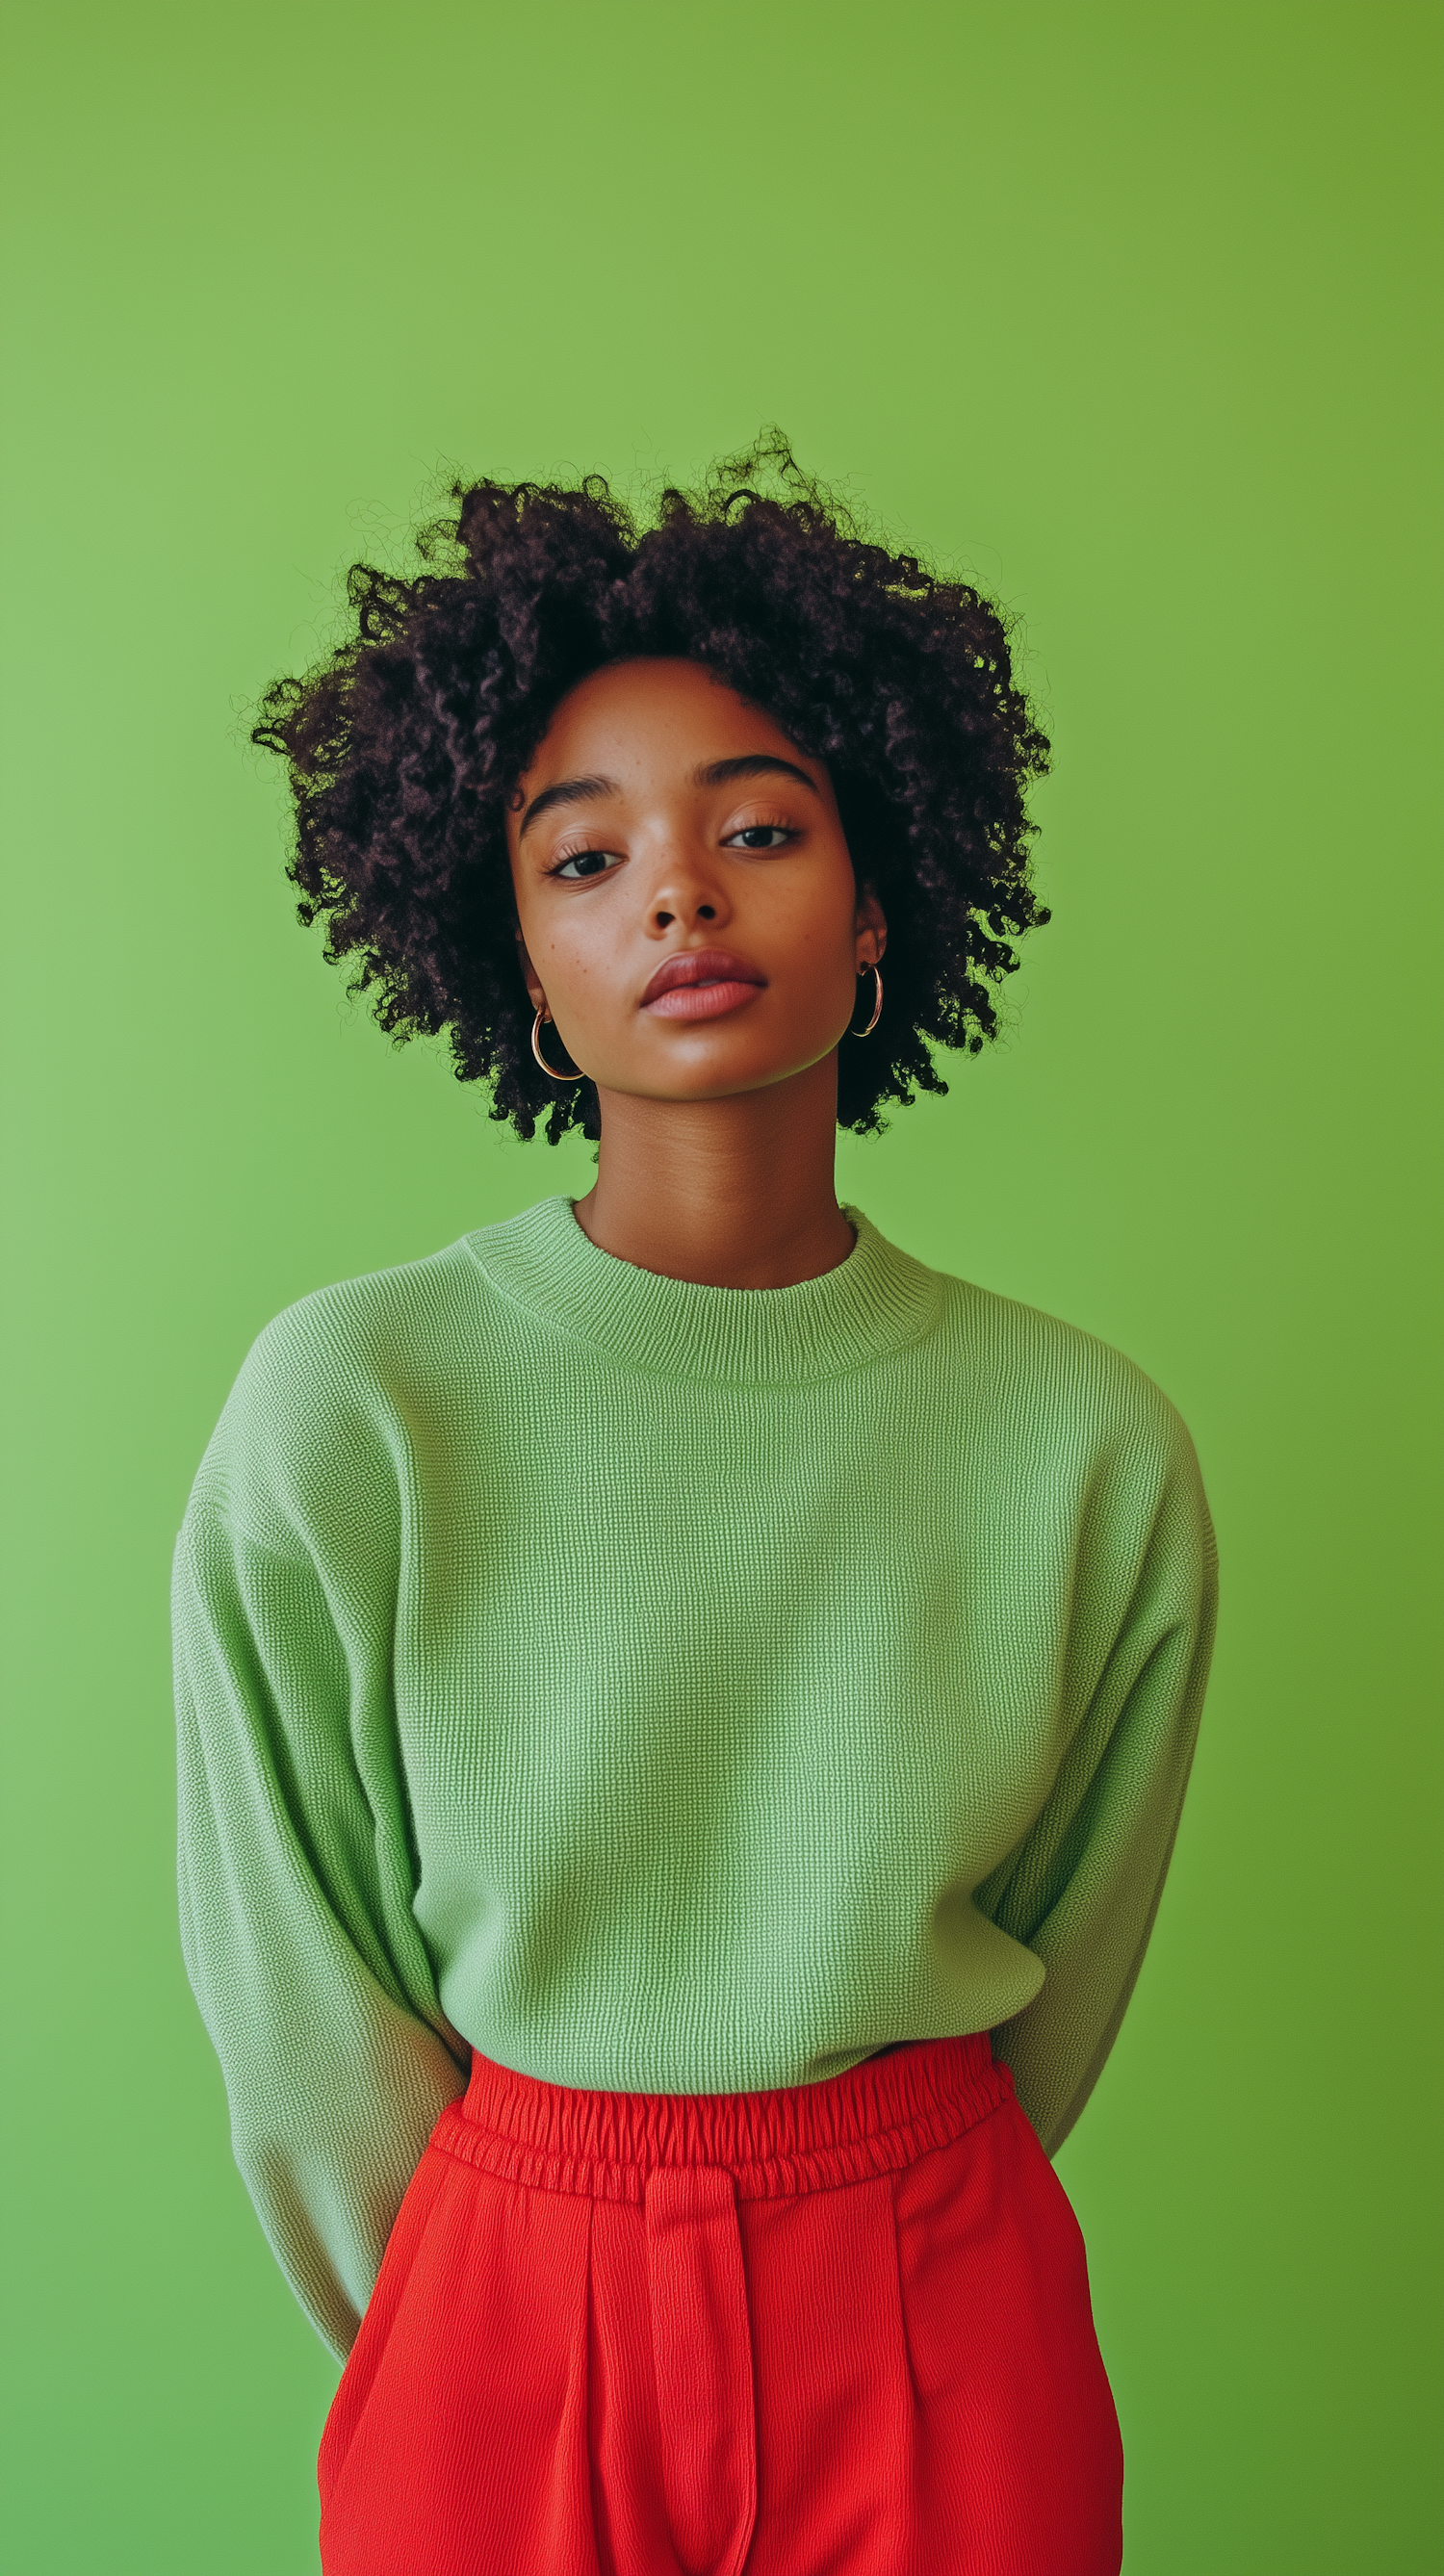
{"x":1082,"y":1888}
{"x":295,"y":1888}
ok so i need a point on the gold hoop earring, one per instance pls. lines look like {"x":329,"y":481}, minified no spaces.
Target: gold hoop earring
{"x":876,"y":971}
{"x":550,"y":1070}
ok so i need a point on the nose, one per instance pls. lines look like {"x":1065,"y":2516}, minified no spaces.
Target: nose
{"x":686,"y":892}
{"x":678,"y":909}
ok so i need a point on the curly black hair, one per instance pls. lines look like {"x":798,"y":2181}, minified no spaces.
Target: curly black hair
{"x":406,"y":744}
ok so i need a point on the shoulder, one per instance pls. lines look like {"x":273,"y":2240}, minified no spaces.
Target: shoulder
{"x":353,"y":1341}
{"x":325,"y":1399}
{"x":1085,"y":1432}
{"x":1056,"y":1386}
{"x":356,"y":1331}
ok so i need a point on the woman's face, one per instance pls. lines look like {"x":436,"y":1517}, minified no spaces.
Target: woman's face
{"x":688,"y":909}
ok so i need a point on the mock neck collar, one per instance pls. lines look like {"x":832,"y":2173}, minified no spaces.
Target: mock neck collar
{"x":872,"y":1303}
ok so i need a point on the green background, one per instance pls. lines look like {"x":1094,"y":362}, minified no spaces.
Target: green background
{"x":1125,"y":310}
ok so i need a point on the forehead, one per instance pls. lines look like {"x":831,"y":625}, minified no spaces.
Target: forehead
{"x":649,"y":717}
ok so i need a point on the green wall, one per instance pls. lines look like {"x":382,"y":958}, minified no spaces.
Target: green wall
{"x":1122,"y":308}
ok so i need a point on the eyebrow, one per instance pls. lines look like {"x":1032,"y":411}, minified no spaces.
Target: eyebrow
{"x":567,"y":791}
{"x":717,"y":773}
{"x":751,"y":764}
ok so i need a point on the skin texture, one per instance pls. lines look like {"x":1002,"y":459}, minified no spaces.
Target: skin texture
{"x":717,"y":1131}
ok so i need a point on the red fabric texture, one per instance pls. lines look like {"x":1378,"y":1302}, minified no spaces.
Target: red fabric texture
{"x":838,"y":2331}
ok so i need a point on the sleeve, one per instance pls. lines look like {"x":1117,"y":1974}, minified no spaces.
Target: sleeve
{"x":1082,"y":1888}
{"x":295,"y":1896}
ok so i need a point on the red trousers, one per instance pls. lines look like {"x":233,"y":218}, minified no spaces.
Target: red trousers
{"x":838,"y":2331}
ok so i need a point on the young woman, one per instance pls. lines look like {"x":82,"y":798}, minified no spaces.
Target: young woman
{"x":683,"y":1710}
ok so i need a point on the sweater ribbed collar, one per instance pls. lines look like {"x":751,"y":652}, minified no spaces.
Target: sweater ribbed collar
{"x":872,"y":1303}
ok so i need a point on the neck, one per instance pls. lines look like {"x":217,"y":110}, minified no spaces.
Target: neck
{"x":735,"y":1193}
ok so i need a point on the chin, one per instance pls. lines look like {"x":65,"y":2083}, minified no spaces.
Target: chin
{"x":721,"y":1082}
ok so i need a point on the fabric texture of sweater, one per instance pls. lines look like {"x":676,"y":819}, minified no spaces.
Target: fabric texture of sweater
{"x":665,"y":1689}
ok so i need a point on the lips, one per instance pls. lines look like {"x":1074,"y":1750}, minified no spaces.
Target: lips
{"x":700,"y":984}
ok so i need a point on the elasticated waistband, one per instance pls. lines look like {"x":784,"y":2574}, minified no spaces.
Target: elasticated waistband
{"x":875,"y":2118}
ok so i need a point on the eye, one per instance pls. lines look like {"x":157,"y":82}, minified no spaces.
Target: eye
{"x":760,"y":836}
{"x":580,"y":864}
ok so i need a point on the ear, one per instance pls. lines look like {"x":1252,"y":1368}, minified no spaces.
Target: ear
{"x":530,"y":977}
{"x":871,"y":926}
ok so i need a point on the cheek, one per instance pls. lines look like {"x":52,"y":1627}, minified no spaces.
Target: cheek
{"x":575,"y":955}
{"x":820,"y":912}
{"x":538,"y":921}
{"x":526,"y":921}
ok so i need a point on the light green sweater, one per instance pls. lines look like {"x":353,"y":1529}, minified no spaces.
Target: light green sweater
{"x":665,"y":1689}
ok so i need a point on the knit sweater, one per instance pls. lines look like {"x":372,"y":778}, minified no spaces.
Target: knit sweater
{"x":665,"y":1688}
